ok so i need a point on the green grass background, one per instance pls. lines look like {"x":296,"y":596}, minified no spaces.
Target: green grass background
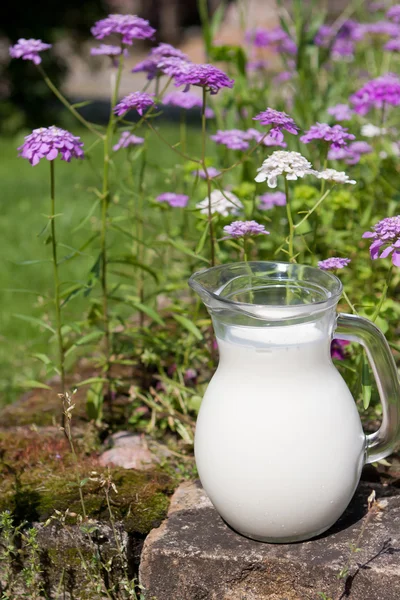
{"x":25,"y":204}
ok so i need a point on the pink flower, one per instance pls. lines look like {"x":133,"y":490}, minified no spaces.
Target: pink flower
{"x":385,"y":233}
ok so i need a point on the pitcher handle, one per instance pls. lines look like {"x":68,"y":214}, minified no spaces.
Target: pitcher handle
{"x":357,"y":329}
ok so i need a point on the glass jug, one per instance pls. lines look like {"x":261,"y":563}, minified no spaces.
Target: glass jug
{"x":279,"y":444}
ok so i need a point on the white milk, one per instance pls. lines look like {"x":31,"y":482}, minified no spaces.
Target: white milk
{"x":279,"y":444}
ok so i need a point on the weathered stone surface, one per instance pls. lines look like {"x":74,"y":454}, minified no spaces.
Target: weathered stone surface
{"x":129,"y":451}
{"x":194,"y":555}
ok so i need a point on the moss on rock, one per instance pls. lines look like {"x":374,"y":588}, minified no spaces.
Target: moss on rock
{"x":39,"y":476}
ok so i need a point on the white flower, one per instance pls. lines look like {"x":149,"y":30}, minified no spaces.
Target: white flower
{"x":369,"y":130}
{"x":290,"y":164}
{"x":224,"y":203}
{"x":336,"y":176}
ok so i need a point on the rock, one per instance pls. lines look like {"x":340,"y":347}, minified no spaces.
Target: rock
{"x":132,"y":451}
{"x":194,"y":555}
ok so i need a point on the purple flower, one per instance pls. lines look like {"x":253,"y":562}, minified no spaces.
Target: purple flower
{"x":239,"y":229}
{"x":283,"y":76}
{"x":266,"y":140}
{"x":392,"y":45}
{"x":331,"y":264}
{"x":376,"y":6}
{"x":130,"y":27}
{"x":29,"y":50}
{"x":206,"y":76}
{"x":382,"y":28}
{"x":106,"y":50}
{"x":257,"y":65}
{"x":276,"y":39}
{"x":351,"y":154}
{"x":186,"y":100}
{"x":157,"y":59}
{"x":336,"y":135}
{"x":234,"y":139}
{"x":137,"y":100}
{"x":127,"y":139}
{"x":48,"y":142}
{"x":341,"y":112}
{"x":279,"y":120}
{"x":174,"y":200}
{"x":337,"y":349}
{"x":212,"y":172}
{"x":386,"y":233}
{"x":377,"y":93}
{"x":271,"y":199}
{"x":394,"y":13}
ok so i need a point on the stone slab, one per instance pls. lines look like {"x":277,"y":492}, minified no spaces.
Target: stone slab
{"x":194,"y":555}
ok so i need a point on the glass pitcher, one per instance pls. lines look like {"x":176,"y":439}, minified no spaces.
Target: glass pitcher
{"x":279,"y":444}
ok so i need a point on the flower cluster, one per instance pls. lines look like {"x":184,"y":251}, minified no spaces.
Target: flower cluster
{"x":48,"y":142}
{"x":392,"y":45}
{"x":139,"y":101}
{"x":239,"y":229}
{"x":127,"y":139}
{"x":234,"y":139}
{"x":290,"y":164}
{"x":211,"y":172}
{"x":155,"y":64}
{"x":107,"y":50}
{"x":222,"y":202}
{"x":130,"y":27}
{"x":331,"y":264}
{"x":341,"y":112}
{"x":29,"y":50}
{"x":352,"y":153}
{"x":174,"y":200}
{"x":188,"y":101}
{"x":335,"y":176}
{"x":279,"y":121}
{"x":386,"y":233}
{"x":276,"y":39}
{"x":377,"y":93}
{"x":394,"y":13}
{"x":336,"y":135}
{"x":271,"y":199}
{"x":337,"y":349}
{"x":206,"y":76}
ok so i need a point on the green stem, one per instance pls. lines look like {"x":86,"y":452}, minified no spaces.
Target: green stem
{"x":310,"y":212}
{"x":203,"y":162}
{"x":182,"y":130}
{"x":104,"y":219}
{"x":291,"y":225}
{"x":158,"y":134}
{"x":65,"y":102}
{"x":383,"y":296}
{"x":351,"y":305}
{"x":56,"y":280}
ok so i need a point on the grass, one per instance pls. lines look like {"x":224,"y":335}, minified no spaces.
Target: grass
{"x":26,"y":285}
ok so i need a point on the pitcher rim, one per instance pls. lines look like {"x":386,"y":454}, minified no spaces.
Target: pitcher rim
{"x":329,"y":301}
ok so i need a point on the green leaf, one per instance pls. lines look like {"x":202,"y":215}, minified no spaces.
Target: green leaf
{"x":87,"y":217}
{"x":94,"y":401}
{"x":129,"y":260}
{"x":202,"y":239}
{"x":366,"y":383}
{"x":30,"y":262}
{"x":35,"y":321}
{"x":147,"y":310}
{"x":82,"y":104}
{"x":187,"y":324}
{"x":43,"y":357}
{"x":91,"y":380}
{"x":32,"y":383}
{"x":182,"y":248}
{"x":86,"y":339}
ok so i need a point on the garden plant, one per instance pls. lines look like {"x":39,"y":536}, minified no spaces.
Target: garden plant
{"x":295,"y":159}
